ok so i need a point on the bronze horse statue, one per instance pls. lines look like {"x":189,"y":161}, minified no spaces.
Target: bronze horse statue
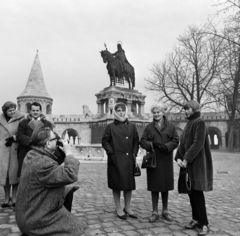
{"x":115,"y":71}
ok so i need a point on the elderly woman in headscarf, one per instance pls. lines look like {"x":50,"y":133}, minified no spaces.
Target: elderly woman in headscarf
{"x":121,"y":143}
{"x":161,"y":136}
{"x":195,"y":154}
{"x":9,"y":121}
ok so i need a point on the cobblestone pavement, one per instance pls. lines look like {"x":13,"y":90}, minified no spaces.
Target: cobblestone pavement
{"x":93,"y":204}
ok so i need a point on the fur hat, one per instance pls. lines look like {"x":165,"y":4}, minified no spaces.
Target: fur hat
{"x":192,"y":104}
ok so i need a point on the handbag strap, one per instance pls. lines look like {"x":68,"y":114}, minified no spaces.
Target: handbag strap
{"x":152,"y":147}
{"x":188,"y":181}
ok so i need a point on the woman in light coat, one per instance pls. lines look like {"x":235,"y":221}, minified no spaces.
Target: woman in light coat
{"x":161,"y":135}
{"x":9,"y":121}
{"x":121,"y":143}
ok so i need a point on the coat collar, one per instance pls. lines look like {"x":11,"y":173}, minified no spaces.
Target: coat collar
{"x":162,"y":126}
{"x":195,"y":115}
{"x":34,"y":125}
{"x":43,"y":151}
{"x":39,"y":124}
{"x":120,"y":122}
{"x":4,"y":123}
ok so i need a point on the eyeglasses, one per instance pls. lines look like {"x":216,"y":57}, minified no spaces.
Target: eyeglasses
{"x":53,"y":139}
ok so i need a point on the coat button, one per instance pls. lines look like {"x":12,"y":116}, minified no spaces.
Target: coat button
{"x":126,"y":153}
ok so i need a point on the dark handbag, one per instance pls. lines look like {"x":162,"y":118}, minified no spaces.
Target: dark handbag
{"x":149,"y":160}
{"x":184,"y":181}
{"x":137,"y":170}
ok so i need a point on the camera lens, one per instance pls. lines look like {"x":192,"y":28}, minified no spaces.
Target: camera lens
{"x":59,"y":143}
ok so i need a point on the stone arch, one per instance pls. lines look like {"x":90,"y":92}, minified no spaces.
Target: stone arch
{"x":215,"y":137}
{"x":71,"y":135}
{"x":49,"y":109}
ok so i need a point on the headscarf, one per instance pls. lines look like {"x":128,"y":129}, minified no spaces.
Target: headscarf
{"x":116,"y":116}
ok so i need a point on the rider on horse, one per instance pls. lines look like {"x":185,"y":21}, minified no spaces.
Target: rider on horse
{"x":120,"y":55}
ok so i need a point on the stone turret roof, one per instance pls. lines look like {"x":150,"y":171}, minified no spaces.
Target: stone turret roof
{"x":35,"y":85}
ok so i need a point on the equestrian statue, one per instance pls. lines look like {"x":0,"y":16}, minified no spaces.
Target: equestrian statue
{"x":119,"y":69}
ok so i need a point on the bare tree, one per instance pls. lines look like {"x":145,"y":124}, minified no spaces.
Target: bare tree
{"x":188,"y":72}
{"x":231,"y":22}
{"x":227,"y":86}
{"x":226,"y":90}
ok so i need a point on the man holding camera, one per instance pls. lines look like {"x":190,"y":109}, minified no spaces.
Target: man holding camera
{"x":40,"y":206}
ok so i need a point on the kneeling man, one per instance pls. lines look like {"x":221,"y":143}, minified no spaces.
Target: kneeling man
{"x":42,"y":189}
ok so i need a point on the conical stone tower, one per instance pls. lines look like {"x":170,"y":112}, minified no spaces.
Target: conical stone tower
{"x":35,"y":90}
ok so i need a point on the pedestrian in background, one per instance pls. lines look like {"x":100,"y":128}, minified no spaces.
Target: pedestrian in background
{"x":161,"y":135}
{"x":194,"y":153}
{"x":121,"y":142}
{"x":9,"y":121}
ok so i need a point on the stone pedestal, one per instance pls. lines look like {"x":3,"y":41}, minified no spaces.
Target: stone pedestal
{"x":134,"y":100}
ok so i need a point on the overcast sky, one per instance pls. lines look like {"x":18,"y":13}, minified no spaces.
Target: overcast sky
{"x":69,"y":35}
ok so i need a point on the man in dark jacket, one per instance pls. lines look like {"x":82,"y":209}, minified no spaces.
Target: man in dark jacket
{"x":40,"y":209}
{"x":194,"y":153}
{"x":34,"y":120}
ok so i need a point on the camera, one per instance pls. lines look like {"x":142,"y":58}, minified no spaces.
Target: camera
{"x":59,"y":143}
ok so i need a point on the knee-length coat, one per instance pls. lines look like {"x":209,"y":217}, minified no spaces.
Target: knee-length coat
{"x":8,"y":155}
{"x":121,"y":142}
{"x":40,"y":207}
{"x":161,"y":178}
{"x":24,"y":133}
{"x":195,"y":149}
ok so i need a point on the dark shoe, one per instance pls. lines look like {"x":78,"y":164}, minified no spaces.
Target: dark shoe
{"x":167,"y":216}
{"x":154,"y":217}
{"x":5,"y":205}
{"x":130,"y":215}
{"x":123,"y":217}
{"x":205,"y":230}
{"x":192,"y":225}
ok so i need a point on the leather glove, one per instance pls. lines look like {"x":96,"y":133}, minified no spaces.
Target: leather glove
{"x":9,"y":141}
{"x":161,"y":147}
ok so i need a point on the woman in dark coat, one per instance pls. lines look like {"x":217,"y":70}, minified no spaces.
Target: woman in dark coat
{"x":194,"y":153}
{"x":121,"y":143}
{"x":161,"y":135}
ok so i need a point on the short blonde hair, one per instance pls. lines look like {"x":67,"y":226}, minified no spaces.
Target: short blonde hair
{"x":159,"y":107}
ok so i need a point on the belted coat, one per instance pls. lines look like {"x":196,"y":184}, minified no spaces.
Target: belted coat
{"x":121,"y":142}
{"x":40,"y":209}
{"x":195,"y":149}
{"x":24,"y":133}
{"x":8,"y":155}
{"x":161,"y":178}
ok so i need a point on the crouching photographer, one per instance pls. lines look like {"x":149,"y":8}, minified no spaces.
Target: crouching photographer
{"x":40,"y":205}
